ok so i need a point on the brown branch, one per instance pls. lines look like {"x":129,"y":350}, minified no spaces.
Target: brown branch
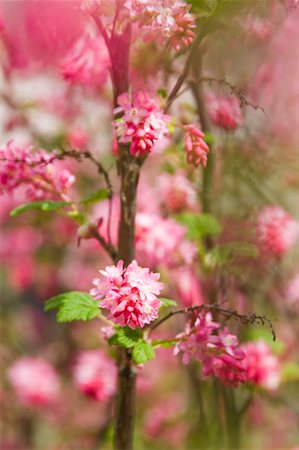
{"x":235,"y":90}
{"x":110,"y":249}
{"x":245,"y":319}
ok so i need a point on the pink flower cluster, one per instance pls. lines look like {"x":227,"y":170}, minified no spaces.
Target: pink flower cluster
{"x":17,"y":248}
{"x":142,"y":123}
{"x":35,"y":381}
{"x":219,"y":352}
{"x":187,"y":286}
{"x":162,"y":241}
{"x":164,"y":20}
{"x":130,"y":294}
{"x":277,"y":230}
{"x":87,"y":62}
{"x":257,"y":28}
{"x":195,"y":146}
{"x":177,"y":192}
{"x":292,"y":290}
{"x":262,"y":367}
{"x":34,"y":169}
{"x":95,"y":375}
{"x":224,"y":111}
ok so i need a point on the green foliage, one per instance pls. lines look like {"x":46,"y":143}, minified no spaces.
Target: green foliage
{"x":73,"y":306}
{"x":46,"y":205}
{"x":98,"y":196}
{"x":166,"y":343}
{"x":290,"y":372}
{"x":162,"y":92}
{"x":199,"y":225}
{"x":126,"y":337}
{"x":143,"y":352}
{"x":167,"y":303}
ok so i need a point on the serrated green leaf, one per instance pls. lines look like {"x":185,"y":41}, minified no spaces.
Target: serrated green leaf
{"x":126,"y":337}
{"x":167,"y":303}
{"x":54,"y":302}
{"x":143,"y":352}
{"x":199,"y":225}
{"x":47,"y":205}
{"x":73,"y":306}
{"x":98,"y":196}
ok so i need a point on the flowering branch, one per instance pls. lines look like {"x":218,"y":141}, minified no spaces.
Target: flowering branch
{"x":227,"y":313}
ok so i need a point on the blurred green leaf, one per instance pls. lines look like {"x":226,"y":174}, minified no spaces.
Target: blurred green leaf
{"x":126,"y":337}
{"x":199,"y":225}
{"x":73,"y":306}
{"x":166,"y":343}
{"x":290,"y":372}
{"x":46,"y":205}
{"x":143,"y":352}
{"x":167,"y":303}
{"x":101,"y":194}
{"x":162,"y":92}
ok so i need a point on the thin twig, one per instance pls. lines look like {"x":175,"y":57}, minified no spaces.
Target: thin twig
{"x":235,"y":90}
{"x":227,"y":313}
{"x":110,"y":249}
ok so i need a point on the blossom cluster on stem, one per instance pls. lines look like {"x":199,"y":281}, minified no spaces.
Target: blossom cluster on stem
{"x":142,"y":123}
{"x":33,"y":169}
{"x":164,"y":21}
{"x":129,"y":294}
{"x":216,"y":349}
{"x":196,"y":148}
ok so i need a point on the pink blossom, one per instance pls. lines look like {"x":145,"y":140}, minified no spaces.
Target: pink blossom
{"x":87,"y":62}
{"x":161,"y":421}
{"x":34,"y":380}
{"x":162,"y":241}
{"x":187,"y":286}
{"x":177,"y":192}
{"x":277,"y":230}
{"x":224,"y":111}
{"x":34,"y":169}
{"x":164,"y":20}
{"x":40,"y":31}
{"x":262,"y":367}
{"x":130,"y":294}
{"x":258,"y":28}
{"x":142,"y":123}
{"x":95,"y":375}
{"x":218,"y":351}
{"x":195,"y":146}
{"x":292,"y":290}
{"x":78,"y":138}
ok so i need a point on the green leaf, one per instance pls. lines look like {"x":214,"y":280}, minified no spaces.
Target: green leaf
{"x":98,"y":196}
{"x":199,"y":225}
{"x":78,"y":217}
{"x":54,"y":302}
{"x":167,"y":302}
{"x":166,"y":343}
{"x":162,"y":92}
{"x":47,"y":205}
{"x":73,"y":306}
{"x":143,"y":352}
{"x":126,"y":337}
